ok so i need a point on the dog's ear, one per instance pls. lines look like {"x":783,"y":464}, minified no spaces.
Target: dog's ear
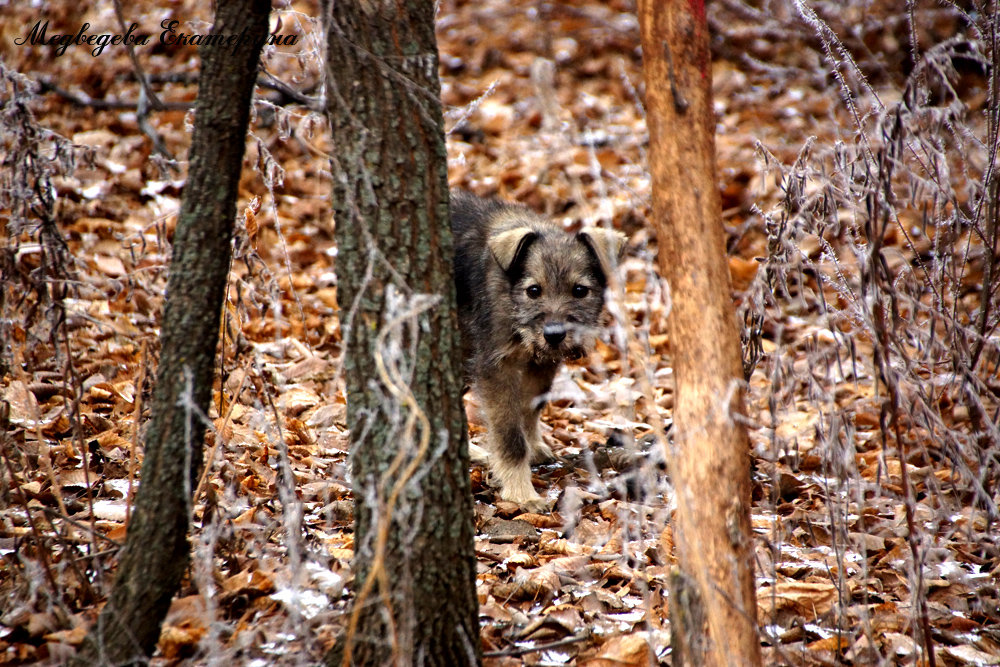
{"x":510,"y":247}
{"x":607,"y":245}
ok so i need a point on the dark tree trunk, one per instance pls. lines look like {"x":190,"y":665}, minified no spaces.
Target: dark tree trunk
{"x":156,"y":548}
{"x":414,"y":560}
{"x":711,"y":466}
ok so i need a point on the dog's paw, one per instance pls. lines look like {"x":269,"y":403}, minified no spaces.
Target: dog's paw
{"x":541,"y":453}
{"x":515,"y":484}
{"x":536,"y":506}
{"x":532,"y":502}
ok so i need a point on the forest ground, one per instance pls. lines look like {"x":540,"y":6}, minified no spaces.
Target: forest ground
{"x":854,"y":145}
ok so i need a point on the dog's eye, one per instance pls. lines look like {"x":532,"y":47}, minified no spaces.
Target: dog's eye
{"x":580,"y":291}
{"x":533,"y":291}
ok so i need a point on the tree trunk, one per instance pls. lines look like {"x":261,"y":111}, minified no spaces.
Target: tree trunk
{"x":156,"y":550}
{"x":710,"y":461}
{"x":414,"y":561}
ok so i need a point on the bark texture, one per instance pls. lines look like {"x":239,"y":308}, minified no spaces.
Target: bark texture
{"x":710,"y":463}
{"x":156,"y":550}
{"x":414,"y":556}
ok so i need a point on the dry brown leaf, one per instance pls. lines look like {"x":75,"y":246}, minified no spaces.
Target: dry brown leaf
{"x":549,"y":544}
{"x":835,"y":643}
{"x":574,"y":566}
{"x":73,"y":637}
{"x":75,"y":478}
{"x":807,"y":600}
{"x":742,"y":271}
{"x":567,"y":616}
{"x":256,"y":583}
{"x":520,"y":559}
{"x":177,"y":641}
{"x":535,"y":584}
{"x":110,"y":265}
{"x":341,"y":553}
{"x":632,"y":650}
{"x":41,"y":623}
{"x":542,"y":520}
{"x":23,"y":406}
{"x":310,"y":366}
{"x":970,"y":655}
{"x":298,"y":399}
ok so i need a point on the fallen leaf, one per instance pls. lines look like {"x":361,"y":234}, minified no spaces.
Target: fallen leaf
{"x":808,"y":600}
{"x":631,"y":650}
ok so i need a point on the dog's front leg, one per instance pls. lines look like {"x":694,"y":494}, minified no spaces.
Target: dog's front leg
{"x":503,"y":405}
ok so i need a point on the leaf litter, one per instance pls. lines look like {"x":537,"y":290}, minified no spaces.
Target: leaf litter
{"x":542,"y":105}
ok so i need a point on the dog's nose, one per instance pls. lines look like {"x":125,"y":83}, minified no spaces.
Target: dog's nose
{"x":554,"y":333}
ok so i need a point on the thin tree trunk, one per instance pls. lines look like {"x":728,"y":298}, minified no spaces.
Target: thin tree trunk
{"x":414,"y":560}
{"x":156,"y":549}
{"x":710,"y":466}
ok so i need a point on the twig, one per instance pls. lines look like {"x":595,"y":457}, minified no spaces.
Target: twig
{"x":46,"y":459}
{"x":218,"y":438}
{"x":43,"y":556}
{"x":142,"y":118}
{"x":136,"y":414}
{"x":286,"y":94}
{"x":84,"y":527}
{"x":136,"y":66}
{"x":75,"y":385}
{"x":84,"y":100}
{"x":283,"y":88}
{"x":486,"y":555}
{"x":147,"y":96}
{"x":516,"y":651}
{"x":912,"y":535}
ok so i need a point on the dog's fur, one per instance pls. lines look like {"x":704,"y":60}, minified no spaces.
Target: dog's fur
{"x":529,"y":296}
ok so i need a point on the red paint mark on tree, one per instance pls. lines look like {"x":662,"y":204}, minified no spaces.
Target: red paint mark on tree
{"x":700,"y":20}
{"x":698,"y":10}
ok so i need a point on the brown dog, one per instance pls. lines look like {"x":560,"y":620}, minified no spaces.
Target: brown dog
{"x":529,"y":296}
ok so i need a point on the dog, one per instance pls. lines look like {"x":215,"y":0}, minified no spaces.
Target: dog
{"x":529,"y":295}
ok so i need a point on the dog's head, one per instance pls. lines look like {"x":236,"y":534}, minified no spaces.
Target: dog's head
{"x":557,"y":283}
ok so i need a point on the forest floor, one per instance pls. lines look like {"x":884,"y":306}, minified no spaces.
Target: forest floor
{"x":854,"y":145}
